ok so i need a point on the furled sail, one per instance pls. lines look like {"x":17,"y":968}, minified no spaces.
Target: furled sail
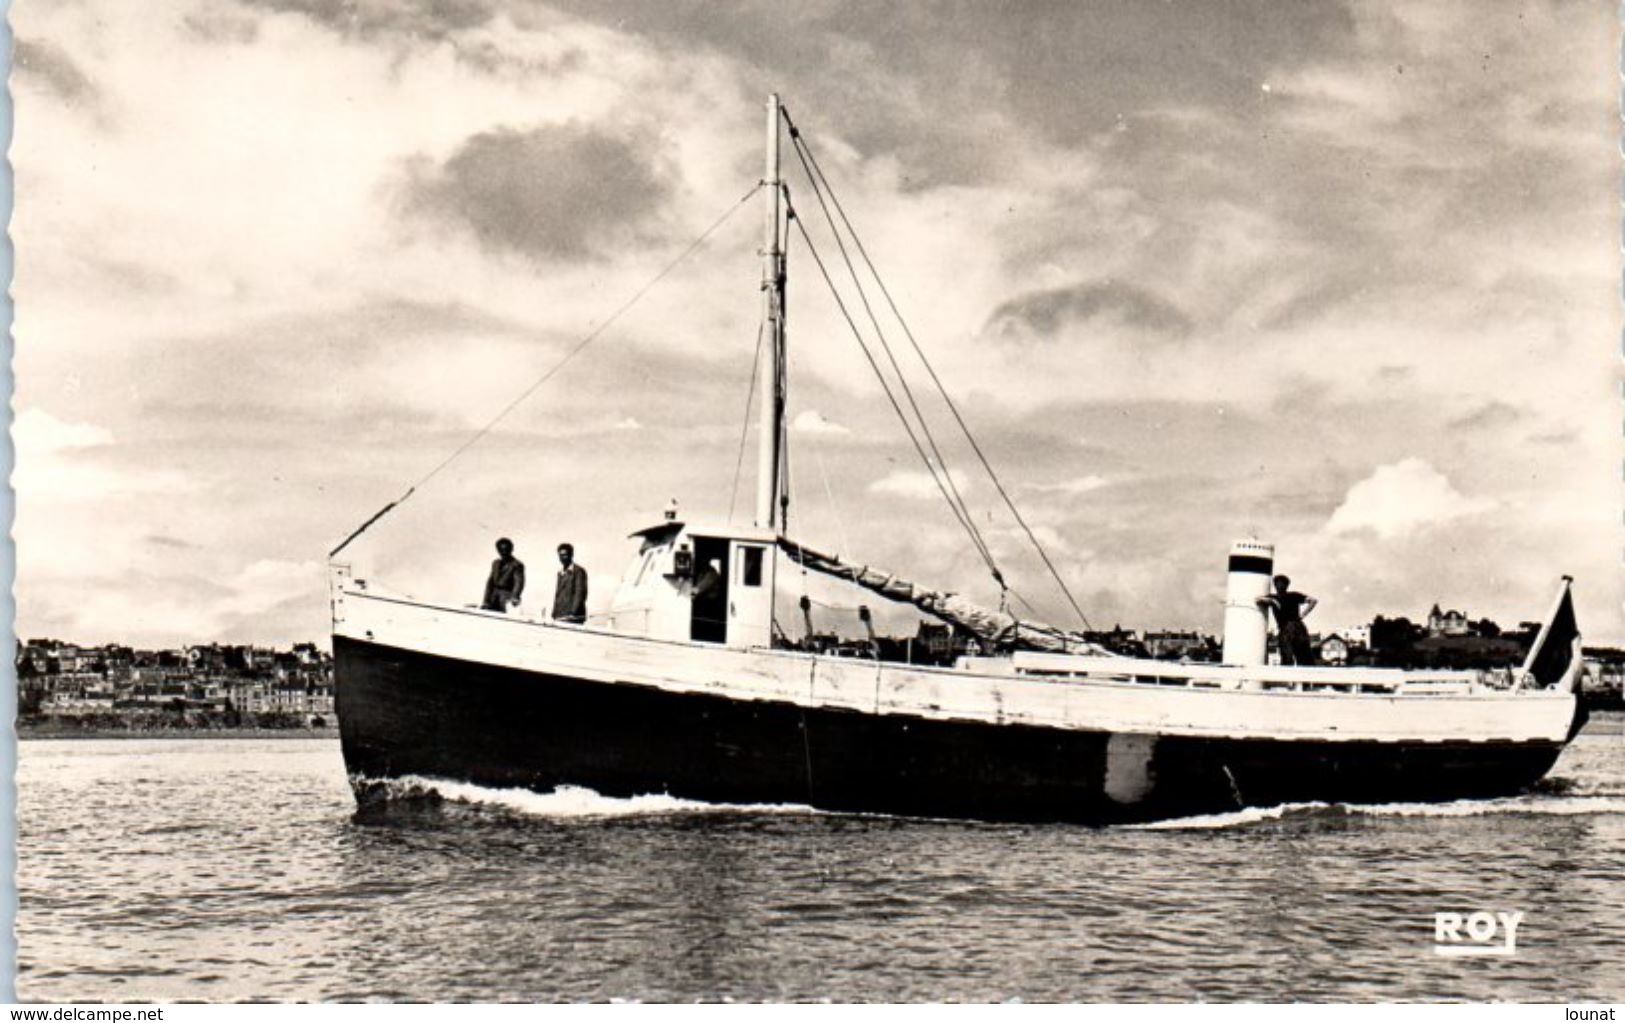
{"x":997,"y":629}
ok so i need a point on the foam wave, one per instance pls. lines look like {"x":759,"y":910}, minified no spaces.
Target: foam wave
{"x":569,"y":801}
{"x":1563,"y":806}
{"x":1234,"y":819}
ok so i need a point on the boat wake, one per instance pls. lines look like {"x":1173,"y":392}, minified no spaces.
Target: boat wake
{"x":571,"y":802}
{"x":1532,"y":805}
{"x":565,"y":802}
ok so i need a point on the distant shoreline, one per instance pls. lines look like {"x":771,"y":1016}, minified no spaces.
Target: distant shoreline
{"x":30,"y":732}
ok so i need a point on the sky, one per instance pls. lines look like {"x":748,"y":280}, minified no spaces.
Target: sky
{"x":1339,"y":276}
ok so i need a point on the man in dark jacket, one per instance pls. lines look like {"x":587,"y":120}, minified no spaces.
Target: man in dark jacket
{"x":570,"y":595}
{"x":506,"y":583}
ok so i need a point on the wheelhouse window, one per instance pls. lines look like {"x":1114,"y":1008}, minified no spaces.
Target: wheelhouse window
{"x":750,"y":572}
{"x":649,"y":555}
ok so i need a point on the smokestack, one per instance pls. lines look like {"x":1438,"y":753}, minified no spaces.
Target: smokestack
{"x":1246,"y":625}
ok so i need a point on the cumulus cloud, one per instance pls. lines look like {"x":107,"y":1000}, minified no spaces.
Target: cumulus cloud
{"x":1040,"y":314}
{"x":555,"y":191}
{"x":1402,"y":498}
{"x":62,"y":461}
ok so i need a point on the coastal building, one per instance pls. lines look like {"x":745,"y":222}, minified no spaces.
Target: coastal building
{"x":1334,"y":649}
{"x":1356,"y":636}
{"x":1178,"y":645}
{"x":249,"y":696}
{"x":76,"y":703}
{"x":206,"y":658}
{"x":1118,"y":640}
{"x":321,"y":704}
{"x":1447,"y":623}
{"x":159,"y":673}
{"x":68,"y":660}
{"x":290,"y":699}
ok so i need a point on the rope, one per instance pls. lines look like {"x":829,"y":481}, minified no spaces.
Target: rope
{"x":931,"y":371}
{"x":744,"y":429}
{"x":380,"y":513}
{"x":788,"y":472}
{"x":580,"y":346}
{"x":835,"y":509}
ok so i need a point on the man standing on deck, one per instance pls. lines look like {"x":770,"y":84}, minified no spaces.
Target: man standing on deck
{"x":570,"y":595}
{"x":1292,"y":636}
{"x":506,"y":583}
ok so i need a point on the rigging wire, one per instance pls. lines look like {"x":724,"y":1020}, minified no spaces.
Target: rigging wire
{"x":885,"y":387}
{"x":782,"y":363}
{"x":580,"y":346}
{"x":952,"y":489}
{"x":953,"y":408}
{"x":829,"y":494}
{"x":785,"y":480}
{"x":789,"y":483}
{"x":744,"y":429}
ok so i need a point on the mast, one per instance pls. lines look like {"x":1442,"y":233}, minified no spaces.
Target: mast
{"x":770,"y":438}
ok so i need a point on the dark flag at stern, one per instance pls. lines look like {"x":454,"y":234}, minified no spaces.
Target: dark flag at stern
{"x":1555,"y":657}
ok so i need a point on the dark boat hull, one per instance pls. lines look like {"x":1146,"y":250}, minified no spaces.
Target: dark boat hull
{"x":404,"y":713}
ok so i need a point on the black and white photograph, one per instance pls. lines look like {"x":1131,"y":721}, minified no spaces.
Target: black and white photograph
{"x":661,"y":501}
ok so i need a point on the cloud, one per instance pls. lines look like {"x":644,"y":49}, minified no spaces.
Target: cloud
{"x":813,"y":423}
{"x":1041,"y":314}
{"x":419,"y":19}
{"x":553,"y":192}
{"x":267,"y":583}
{"x":1074,"y":486}
{"x":1402,"y":498}
{"x":36,"y":432}
{"x":329,"y":237}
{"x":63,"y":464}
{"x":967,"y":84}
{"x":53,"y":68}
{"x":253,"y":602}
{"x":1489,"y":414}
{"x":913,"y":485}
{"x":170,"y":542}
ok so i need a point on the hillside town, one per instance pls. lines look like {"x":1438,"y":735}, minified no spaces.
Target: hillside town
{"x":213,"y":686}
{"x":217,"y":686}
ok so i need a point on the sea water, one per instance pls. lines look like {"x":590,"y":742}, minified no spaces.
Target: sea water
{"x":237,"y":869}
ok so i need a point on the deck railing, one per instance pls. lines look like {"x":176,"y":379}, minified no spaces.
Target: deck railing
{"x":1229,"y":676}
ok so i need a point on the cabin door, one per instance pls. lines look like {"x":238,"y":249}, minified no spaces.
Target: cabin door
{"x":750,"y":596}
{"x":709,"y":615}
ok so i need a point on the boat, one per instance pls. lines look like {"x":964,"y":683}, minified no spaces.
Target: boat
{"x":690,"y":685}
